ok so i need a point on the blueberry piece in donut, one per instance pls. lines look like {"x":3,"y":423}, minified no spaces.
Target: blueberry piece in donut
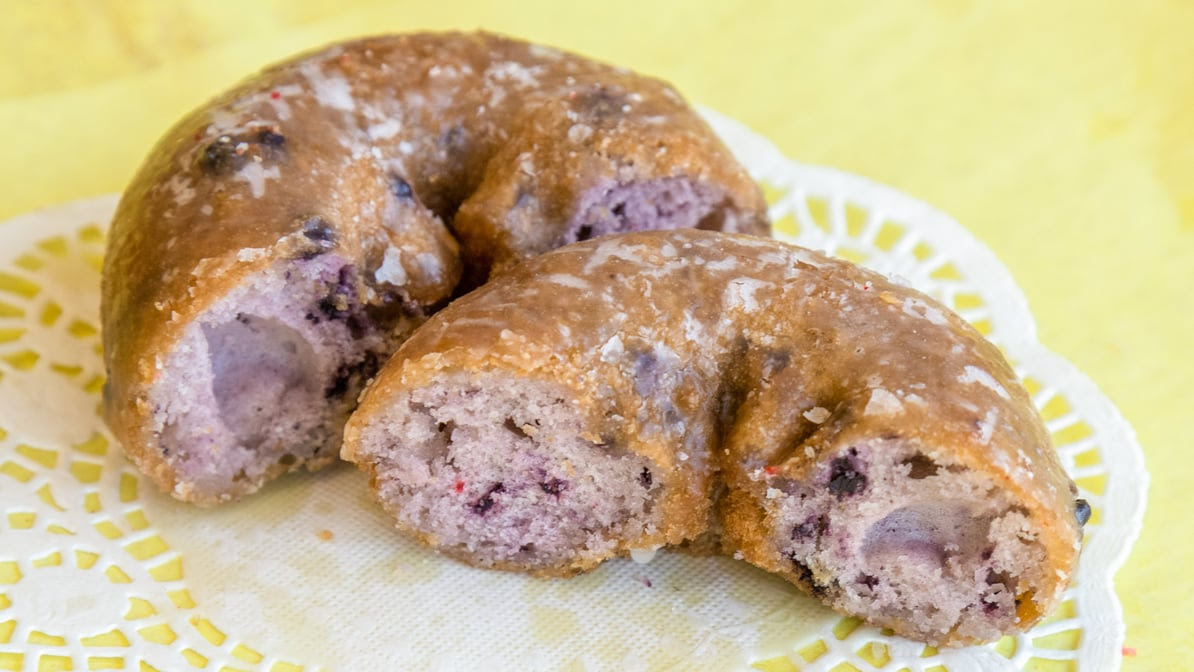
{"x":220,"y":157}
{"x":268,"y":137}
{"x":321,"y":235}
{"x":400,"y":188}
{"x":846,"y":477}
{"x":319,"y":230}
{"x":230,"y":153}
{"x":813,"y":527}
{"x":486,"y":502}
{"x":337,"y":199}
{"x":813,"y":415}
{"x":1081,"y":511}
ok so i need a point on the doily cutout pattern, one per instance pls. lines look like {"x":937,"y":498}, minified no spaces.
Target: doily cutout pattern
{"x":88,"y":580}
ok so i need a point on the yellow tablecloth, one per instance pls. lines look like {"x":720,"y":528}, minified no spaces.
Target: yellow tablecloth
{"x":1060,"y":133}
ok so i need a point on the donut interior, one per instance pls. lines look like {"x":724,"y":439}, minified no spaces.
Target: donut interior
{"x":504,"y":473}
{"x":264,"y":379}
{"x":646,"y":205}
{"x":890,"y":530}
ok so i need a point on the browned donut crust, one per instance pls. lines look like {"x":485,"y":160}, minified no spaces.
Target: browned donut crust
{"x":873,"y":448}
{"x":313,"y":215}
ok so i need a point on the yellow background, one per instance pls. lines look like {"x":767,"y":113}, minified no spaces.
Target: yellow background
{"x":1060,"y":133}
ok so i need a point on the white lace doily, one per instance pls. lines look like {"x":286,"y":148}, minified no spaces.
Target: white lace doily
{"x":100,"y":571}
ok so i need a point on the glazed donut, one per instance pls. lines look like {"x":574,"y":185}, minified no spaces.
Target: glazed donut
{"x":871,"y":446}
{"x":281,"y":240}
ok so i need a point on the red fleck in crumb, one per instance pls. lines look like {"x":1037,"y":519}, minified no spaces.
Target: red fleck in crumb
{"x":324,"y":535}
{"x":198,"y":135}
{"x":1129,"y":652}
{"x":459,"y":486}
{"x":771,"y":471}
{"x":274,"y":95}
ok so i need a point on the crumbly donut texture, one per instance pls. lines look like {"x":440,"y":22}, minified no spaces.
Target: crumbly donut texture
{"x":280,"y":241}
{"x":846,"y":433}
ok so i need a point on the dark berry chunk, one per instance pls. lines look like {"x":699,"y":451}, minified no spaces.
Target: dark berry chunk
{"x":644,"y":477}
{"x":400,"y":188}
{"x":1081,"y":511}
{"x":221,"y":158}
{"x":340,"y":301}
{"x":271,"y":138}
{"x":332,"y":308}
{"x":554,"y":486}
{"x":229,"y":153}
{"x":868,"y":580}
{"x":845,"y":479}
{"x":485,"y":503}
{"x":320,"y":234}
{"x":319,"y":230}
{"x":815,"y":526}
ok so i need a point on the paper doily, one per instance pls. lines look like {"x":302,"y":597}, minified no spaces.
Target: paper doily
{"x":100,"y":571}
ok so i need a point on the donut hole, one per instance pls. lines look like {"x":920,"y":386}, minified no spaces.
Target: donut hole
{"x":910,"y":536}
{"x":505,"y":472}
{"x":665,"y":203}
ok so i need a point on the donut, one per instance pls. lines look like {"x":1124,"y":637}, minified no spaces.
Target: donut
{"x":625,"y":393}
{"x":281,"y":240}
